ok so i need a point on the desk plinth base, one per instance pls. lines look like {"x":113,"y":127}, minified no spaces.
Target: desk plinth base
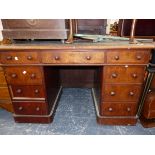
{"x":147,"y":123}
{"x":116,"y":121}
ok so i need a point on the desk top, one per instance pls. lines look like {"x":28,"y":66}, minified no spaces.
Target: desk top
{"x":77,"y":45}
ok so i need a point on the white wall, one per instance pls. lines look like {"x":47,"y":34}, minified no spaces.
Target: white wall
{"x":1,"y":30}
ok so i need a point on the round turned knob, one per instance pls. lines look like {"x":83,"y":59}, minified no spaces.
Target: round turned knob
{"x":9,"y":57}
{"x":116,"y":57}
{"x":131,"y":93}
{"x":36,"y":91}
{"x":33,"y":75}
{"x":149,"y":90}
{"x":134,"y":75}
{"x":29,"y":57}
{"x":88,"y":57}
{"x":18,"y":91}
{"x":56,"y":57}
{"x":20,"y":108}
{"x":37,"y":109}
{"x":14,"y":75}
{"x":128,"y":109}
{"x":114,"y":75}
{"x":112,"y":93}
{"x":110,"y":109}
{"x":138,"y":57}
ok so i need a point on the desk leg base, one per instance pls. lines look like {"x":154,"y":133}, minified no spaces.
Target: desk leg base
{"x":117,"y":121}
{"x":147,"y":123}
{"x":34,"y":119}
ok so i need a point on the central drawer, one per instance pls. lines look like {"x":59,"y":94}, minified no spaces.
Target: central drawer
{"x":19,"y":57}
{"x":24,"y":75}
{"x":30,"y":108}
{"x":27,"y":92}
{"x":124,"y":74}
{"x":121,"y":92}
{"x":65,"y":57}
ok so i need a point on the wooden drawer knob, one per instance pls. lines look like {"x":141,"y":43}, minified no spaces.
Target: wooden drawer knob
{"x":37,"y":109}
{"x":56,"y":57}
{"x":18,"y":91}
{"x":112,"y":93}
{"x":9,"y":58}
{"x":138,"y":57}
{"x":110,"y":109}
{"x":29,"y":57}
{"x":88,"y":57}
{"x":36,"y":91}
{"x":128,"y":109}
{"x":114,"y":75}
{"x":134,"y":75}
{"x":116,"y":57}
{"x":33,"y":75}
{"x":20,"y":108}
{"x":14,"y":75}
{"x":131,"y":93}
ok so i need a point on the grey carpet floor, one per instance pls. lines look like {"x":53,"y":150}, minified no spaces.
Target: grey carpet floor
{"x":75,"y":115}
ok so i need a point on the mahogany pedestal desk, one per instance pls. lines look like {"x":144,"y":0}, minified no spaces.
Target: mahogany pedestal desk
{"x":35,"y":77}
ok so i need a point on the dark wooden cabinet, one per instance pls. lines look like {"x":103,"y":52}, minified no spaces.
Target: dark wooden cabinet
{"x":5,"y":99}
{"x":92,"y":26}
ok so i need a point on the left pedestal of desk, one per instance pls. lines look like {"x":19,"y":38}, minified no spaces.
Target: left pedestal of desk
{"x":33,"y":88}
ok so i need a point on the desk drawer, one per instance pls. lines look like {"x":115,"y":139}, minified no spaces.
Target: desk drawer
{"x":4,"y":93}
{"x":128,"y":57}
{"x":121,"y":92}
{"x":2,"y":78}
{"x":124,"y":74}
{"x":118,"y":109}
{"x":30,"y":108}
{"x":24,"y":75}
{"x":16,"y":57}
{"x":27,"y":92}
{"x":66,"y":57}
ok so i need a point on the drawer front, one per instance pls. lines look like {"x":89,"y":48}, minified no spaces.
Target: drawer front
{"x":73,"y":57}
{"x":4,"y":93}
{"x":25,"y":92}
{"x":149,"y":106}
{"x":124,"y":74}
{"x":118,"y":109}
{"x":122,"y":92}
{"x":19,"y":57}
{"x":1,"y":69}
{"x":24,"y":75}
{"x":2,"y":78}
{"x":30,"y":108}
{"x":128,"y":57}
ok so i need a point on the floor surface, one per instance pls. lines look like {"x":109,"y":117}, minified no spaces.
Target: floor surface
{"x":75,"y":115}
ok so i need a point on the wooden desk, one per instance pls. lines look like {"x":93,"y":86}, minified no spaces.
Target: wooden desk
{"x":35,"y":75}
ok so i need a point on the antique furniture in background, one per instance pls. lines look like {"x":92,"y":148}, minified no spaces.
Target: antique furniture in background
{"x":91,"y":26}
{"x":61,"y":29}
{"x":5,"y":100}
{"x":144,"y":28}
